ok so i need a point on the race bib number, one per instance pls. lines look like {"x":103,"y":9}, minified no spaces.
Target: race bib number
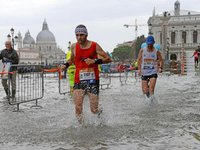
{"x":149,"y":64}
{"x":87,"y":74}
{"x":5,"y":68}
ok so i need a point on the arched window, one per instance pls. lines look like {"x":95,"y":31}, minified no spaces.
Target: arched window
{"x":173,"y":57}
{"x":173,"y":37}
{"x":184,"y":37}
{"x":195,"y":33}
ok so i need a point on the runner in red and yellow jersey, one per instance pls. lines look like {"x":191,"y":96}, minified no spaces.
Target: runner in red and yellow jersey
{"x":85,"y":57}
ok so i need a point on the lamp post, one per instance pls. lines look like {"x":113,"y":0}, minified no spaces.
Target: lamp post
{"x":168,"y":46}
{"x":41,"y":58}
{"x":182,"y":58}
{"x":183,"y":47}
{"x":12,"y":37}
{"x":165,"y":19}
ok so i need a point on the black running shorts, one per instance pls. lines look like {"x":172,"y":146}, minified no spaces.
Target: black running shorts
{"x":149,"y":77}
{"x":88,"y":86}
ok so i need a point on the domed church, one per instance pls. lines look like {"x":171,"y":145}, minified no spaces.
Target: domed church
{"x":44,"y":51}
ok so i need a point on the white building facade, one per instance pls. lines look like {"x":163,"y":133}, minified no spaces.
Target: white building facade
{"x":176,"y":30}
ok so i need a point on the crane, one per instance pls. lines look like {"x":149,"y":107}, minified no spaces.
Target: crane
{"x":136,"y":27}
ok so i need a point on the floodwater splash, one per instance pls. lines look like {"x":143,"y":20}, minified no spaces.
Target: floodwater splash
{"x":125,"y":123}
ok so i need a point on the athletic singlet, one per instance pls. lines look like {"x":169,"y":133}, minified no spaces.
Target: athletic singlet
{"x":83,"y":71}
{"x":149,"y":62}
{"x":196,"y":55}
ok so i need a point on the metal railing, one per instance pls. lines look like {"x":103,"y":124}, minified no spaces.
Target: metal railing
{"x":105,"y":80}
{"x":28,"y":85}
{"x":63,"y":83}
{"x":123,"y":76}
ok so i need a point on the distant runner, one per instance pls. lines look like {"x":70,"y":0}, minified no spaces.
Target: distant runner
{"x":70,"y":72}
{"x":196,"y":58}
{"x":84,"y":56}
{"x":148,"y":60}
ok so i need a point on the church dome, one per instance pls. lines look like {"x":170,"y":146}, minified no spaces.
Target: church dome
{"x":45,"y":35}
{"x":28,"y":39}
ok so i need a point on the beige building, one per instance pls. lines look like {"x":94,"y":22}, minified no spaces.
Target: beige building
{"x":43,"y":51}
{"x":176,"y":30}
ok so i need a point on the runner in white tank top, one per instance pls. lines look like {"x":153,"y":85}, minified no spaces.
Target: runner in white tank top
{"x":148,"y":60}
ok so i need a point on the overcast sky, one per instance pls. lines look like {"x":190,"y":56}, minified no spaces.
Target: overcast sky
{"x":103,"y":18}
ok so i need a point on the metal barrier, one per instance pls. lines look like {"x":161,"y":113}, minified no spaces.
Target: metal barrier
{"x":123,"y":76}
{"x":64,"y":83}
{"x":105,"y":80}
{"x":136,"y":76}
{"x":29,"y":85}
{"x":64,"y":87}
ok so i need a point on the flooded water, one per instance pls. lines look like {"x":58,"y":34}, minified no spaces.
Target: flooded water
{"x":126,"y":123}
